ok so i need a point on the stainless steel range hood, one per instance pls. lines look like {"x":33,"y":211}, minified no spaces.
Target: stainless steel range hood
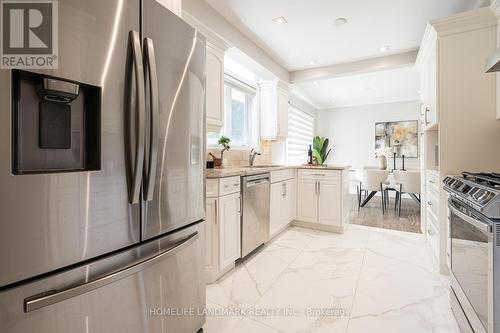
{"x":493,"y":63}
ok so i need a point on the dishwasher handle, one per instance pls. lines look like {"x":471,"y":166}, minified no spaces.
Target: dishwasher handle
{"x":256,"y":182}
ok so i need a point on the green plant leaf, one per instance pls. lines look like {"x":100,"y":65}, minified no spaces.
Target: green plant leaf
{"x":326,"y":155}
{"x":317,"y":157}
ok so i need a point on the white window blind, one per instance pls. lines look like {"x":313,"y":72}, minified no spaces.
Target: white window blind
{"x":300,"y":136}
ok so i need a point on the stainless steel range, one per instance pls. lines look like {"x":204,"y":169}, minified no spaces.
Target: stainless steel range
{"x":474,"y":207}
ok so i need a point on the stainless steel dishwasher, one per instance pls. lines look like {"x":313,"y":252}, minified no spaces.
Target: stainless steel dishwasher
{"x":255,"y":216}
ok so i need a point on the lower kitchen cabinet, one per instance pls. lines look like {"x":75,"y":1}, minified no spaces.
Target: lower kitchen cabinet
{"x":329,"y":197}
{"x":282,"y":206}
{"x":223,"y":223}
{"x":307,"y":200}
{"x":229,"y":229}
{"x":322,"y":201}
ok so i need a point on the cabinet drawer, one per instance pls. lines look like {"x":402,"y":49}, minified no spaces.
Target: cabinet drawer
{"x":212,"y":188}
{"x":319,"y":174}
{"x":281,"y":175}
{"x":433,"y":237}
{"x":432,"y":219}
{"x":433,"y":179}
{"x":432,"y":202}
{"x":229,"y":185}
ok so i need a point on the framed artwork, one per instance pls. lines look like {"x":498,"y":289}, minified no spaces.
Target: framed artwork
{"x":397,"y":136}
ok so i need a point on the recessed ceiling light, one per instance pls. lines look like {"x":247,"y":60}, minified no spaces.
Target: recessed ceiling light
{"x":340,"y":21}
{"x":280,"y":20}
{"x":312,"y":62}
{"x":384,"y":48}
{"x":332,"y":101}
{"x":315,"y":83}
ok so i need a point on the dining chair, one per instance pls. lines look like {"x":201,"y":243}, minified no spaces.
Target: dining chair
{"x":371,"y":181}
{"x":406,"y":182}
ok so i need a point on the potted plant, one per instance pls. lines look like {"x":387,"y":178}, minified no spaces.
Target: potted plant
{"x":320,"y":150}
{"x":224,"y":142}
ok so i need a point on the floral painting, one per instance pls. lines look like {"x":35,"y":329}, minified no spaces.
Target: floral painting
{"x":400,"y":137}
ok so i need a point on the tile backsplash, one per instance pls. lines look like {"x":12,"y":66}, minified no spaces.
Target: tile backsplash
{"x":239,"y":156}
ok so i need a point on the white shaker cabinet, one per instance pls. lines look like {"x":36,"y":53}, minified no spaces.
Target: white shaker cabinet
{"x":329,"y":206}
{"x":307,"y":200}
{"x":322,"y":199}
{"x":223,"y":223}
{"x":274,"y":110}
{"x":282,"y":204}
{"x":211,"y":237}
{"x":214,"y":87}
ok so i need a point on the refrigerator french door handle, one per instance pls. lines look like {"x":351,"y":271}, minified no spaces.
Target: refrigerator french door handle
{"x":137,"y":168}
{"x":52,"y":297}
{"x":152,"y":157}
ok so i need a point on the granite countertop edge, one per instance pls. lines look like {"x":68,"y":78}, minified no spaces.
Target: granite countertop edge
{"x":244,"y":171}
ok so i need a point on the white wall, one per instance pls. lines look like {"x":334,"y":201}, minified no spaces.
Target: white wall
{"x":351,"y":130}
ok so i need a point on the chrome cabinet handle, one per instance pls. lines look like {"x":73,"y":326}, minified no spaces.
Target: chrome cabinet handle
{"x":136,"y":166}
{"x":429,"y":203}
{"x":54,"y":296}
{"x":319,"y":188}
{"x":216,"y":211}
{"x":429,"y":231}
{"x":152,"y":80}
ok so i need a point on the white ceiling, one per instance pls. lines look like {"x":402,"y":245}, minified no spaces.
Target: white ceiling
{"x":399,"y":84}
{"x":311,"y":34}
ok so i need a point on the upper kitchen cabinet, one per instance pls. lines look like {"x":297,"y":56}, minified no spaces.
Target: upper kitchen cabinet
{"x":215,"y":86}
{"x":427,"y":66}
{"x":274,"y":110}
{"x":173,"y":5}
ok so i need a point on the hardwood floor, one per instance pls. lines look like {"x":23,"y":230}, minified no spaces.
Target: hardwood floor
{"x":371,"y":215}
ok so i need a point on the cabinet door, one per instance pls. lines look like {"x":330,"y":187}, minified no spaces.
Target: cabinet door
{"x":282,"y":113}
{"x":229,"y":230}
{"x":307,"y":201}
{"x":329,"y":203}
{"x":214,"y":87}
{"x":211,"y":238}
{"x":432,"y":115}
{"x":276,"y":209}
{"x":289,"y":202}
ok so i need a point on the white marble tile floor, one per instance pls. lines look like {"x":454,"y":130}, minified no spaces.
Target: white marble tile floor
{"x":304,"y":281}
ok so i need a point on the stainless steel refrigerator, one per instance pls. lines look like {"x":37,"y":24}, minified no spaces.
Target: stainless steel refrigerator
{"x":102,"y":192}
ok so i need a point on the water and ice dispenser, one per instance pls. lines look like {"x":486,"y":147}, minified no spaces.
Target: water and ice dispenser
{"x":56,"y":124}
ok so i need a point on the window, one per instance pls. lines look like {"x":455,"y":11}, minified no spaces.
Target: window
{"x":300,"y":136}
{"x":239,"y":118}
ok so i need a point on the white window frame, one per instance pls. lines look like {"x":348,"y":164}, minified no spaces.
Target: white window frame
{"x":232,"y":81}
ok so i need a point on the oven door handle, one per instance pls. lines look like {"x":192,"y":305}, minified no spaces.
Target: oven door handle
{"x":478,"y":224}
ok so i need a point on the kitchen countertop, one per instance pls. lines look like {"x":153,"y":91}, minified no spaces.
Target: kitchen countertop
{"x":245,"y":170}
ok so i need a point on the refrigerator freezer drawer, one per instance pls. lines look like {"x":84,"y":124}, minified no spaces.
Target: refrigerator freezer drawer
{"x":155,"y":287}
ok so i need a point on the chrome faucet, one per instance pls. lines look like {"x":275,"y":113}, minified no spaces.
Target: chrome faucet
{"x":251,"y":156}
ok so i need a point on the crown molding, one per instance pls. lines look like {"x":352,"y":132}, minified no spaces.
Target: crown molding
{"x":466,"y":21}
{"x":495,"y":7}
{"x":459,"y":23}
{"x":212,"y":37}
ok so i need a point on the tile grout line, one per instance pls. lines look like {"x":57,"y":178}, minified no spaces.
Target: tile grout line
{"x":359,"y":277}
